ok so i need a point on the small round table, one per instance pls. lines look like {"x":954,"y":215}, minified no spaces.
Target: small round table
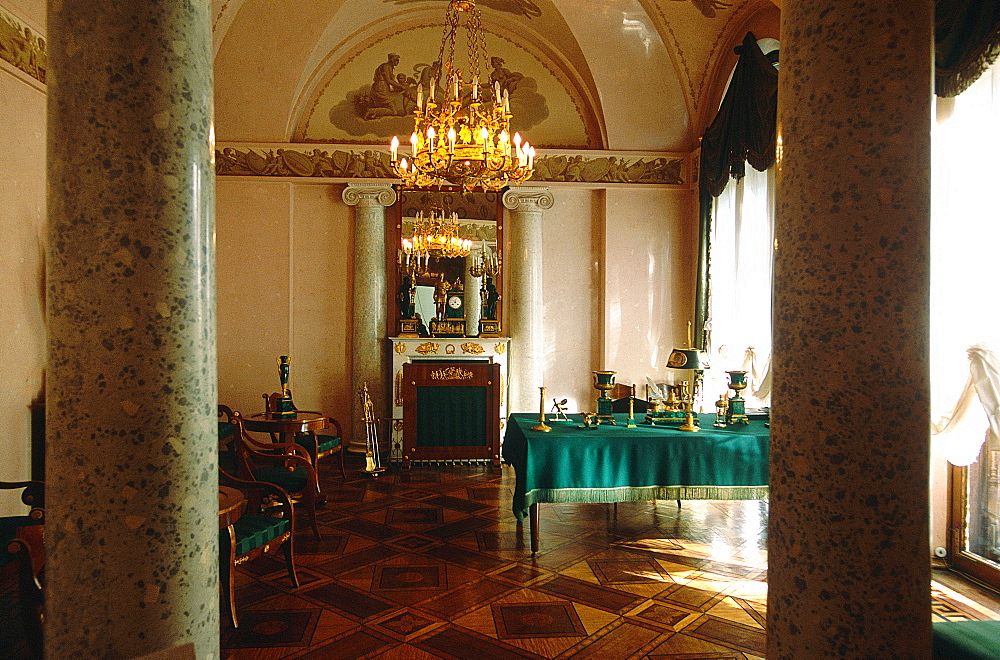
{"x":304,"y":421}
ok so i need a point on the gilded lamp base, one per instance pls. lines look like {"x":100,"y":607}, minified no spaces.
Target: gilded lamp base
{"x":689,"y":423}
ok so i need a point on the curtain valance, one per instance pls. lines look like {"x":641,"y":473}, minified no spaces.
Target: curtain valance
{"x":744,"y":129}
{"x":966,"y":42}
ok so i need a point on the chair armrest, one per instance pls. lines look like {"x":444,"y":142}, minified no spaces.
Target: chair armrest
{"x":34,"y":491}
{"x":336,"y":425}
{"x":279,"y":493}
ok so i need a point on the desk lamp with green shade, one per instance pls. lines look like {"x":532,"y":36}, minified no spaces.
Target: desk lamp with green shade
{"x":691,"y":360}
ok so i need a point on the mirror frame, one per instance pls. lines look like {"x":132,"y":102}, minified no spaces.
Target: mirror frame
{"x":478,"y":205}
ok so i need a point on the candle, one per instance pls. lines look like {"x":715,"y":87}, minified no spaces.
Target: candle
{"x":451,"y":140}
{"x":430,"y":97}
{"x":475,"y":88}
{"x":420,"y":98}
{"x":430,"y":137}
{"x":506,"y":101}
{"x":394,"y":146}
{"x":454,"y":87}
{"x":496,"y":90}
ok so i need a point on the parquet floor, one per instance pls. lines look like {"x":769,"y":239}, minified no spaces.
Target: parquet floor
{"x":434,"y":565}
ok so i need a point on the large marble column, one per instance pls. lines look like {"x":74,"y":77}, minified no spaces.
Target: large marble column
{"x":131,"y":478}
{"x":370,"y":361}
{"x":848,"y":540}
{"x":524,"y":295}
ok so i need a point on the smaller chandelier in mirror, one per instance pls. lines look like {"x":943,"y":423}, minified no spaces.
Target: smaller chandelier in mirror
{"x":436,"y":235}
{"x":463,"y":140}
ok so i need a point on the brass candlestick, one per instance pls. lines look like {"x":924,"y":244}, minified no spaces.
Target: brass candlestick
{"x":630,"y":422}
{"x":541,"y":425}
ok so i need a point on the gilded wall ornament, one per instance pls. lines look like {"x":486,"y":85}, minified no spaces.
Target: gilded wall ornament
{"x":452,"y":373}
{"x":427,"y":348}
{"x":475,"y":349}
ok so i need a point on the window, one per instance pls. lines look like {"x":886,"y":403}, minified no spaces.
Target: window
{"x":740,"y":273}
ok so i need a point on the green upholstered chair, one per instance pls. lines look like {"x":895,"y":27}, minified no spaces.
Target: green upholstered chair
{"x":23,"y":555}
{"x":319,"y":445}
{"x":267,"y":522}
{"x":284,"y":464}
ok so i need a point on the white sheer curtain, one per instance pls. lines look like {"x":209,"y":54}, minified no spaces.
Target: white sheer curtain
{"x":740,"y":272}
{"x":965,"y":241}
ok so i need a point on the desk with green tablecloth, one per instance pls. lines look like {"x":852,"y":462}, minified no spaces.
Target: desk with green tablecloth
{"x":619,"y":464}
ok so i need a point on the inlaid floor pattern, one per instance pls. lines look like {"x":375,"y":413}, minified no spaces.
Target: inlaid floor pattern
{"x":433,"y":564}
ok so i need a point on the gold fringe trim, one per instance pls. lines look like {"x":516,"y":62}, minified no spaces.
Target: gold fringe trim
{"x":644,"y":493}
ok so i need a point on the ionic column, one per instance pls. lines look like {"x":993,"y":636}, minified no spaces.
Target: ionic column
{"x":524,"y":235}
{"x":370,"y":363}
{"x":848,"y":540}
{"x":131,"y":448}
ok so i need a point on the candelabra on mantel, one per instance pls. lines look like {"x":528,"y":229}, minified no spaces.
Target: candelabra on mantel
{"x":487,"y":263}
{"x":463,"y":140}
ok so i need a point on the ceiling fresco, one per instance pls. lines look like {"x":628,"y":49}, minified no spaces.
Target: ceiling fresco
{"x":616,"y":75}
{"x":370,"y":97}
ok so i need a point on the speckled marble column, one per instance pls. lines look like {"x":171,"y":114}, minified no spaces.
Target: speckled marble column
{"x":524,"y":295}
{"x":370,"y":361}
{"x":131,"y":480}
{"x":848,"y":540}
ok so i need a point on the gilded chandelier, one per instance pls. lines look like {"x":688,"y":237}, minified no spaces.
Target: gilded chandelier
{"x":436,"y":236}
{"x":463,"y":140}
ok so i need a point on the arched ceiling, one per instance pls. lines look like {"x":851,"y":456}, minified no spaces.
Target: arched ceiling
{"x":628,"y":75}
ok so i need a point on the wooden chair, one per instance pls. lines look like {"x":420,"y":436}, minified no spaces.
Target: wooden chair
{"x":284,"y":464}
{"x":23,"y":555}
{"x":319,"y":445}
{"x":267,"y":522}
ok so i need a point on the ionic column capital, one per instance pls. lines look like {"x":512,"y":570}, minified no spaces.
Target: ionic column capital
{"x":528,"y":198}
{"x":369,"y":194}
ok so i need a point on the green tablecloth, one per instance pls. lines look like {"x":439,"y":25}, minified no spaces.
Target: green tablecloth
{"x":618,"y":464}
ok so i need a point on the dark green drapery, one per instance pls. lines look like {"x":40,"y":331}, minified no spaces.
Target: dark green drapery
{"x":966,"y":42}
{"x":744,"y":129}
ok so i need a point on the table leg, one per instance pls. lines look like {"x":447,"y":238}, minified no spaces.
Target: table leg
{"x":533,"y":525}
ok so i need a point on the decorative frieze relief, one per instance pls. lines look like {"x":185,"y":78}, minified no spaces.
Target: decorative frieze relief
{"x":22,"y":46}
{"x":598,"y":167}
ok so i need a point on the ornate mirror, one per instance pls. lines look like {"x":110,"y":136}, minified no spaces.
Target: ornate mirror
{"x":448,"y":266}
